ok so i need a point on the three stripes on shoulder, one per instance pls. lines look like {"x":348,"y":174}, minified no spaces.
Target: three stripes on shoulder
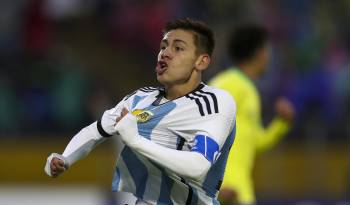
{"x":210,"y":104}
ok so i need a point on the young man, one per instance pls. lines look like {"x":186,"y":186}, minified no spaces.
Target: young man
{"x":176,"y":138}
{"x":249,"y":50}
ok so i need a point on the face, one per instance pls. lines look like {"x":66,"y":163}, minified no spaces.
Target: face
{"x":263,"y":57}
{"x":177,"y":58}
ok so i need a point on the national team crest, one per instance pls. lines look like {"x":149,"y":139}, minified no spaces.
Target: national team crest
{"x":142,"y":115}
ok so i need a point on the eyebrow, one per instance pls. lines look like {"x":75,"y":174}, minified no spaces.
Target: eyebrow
{"x":175,"y":40}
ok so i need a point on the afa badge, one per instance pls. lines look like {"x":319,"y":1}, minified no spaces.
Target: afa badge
{"x":142,"y":115}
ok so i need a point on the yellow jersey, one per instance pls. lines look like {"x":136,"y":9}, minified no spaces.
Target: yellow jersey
{"x":251,"y":136}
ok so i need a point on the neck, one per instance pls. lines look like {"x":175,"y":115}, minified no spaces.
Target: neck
{"x":250,"y":69}
{"x":179,"y":90}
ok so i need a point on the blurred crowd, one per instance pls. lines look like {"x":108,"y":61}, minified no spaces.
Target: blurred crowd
{"x":62,"y":62}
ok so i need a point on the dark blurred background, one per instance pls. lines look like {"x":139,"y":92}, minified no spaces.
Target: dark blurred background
{"x":63,"y":62}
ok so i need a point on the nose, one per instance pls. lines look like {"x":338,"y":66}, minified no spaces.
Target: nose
{"x":165,"y":53}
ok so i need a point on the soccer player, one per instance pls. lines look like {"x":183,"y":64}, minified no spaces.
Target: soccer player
{"x":176,"y":137}
{"x":249,"y":50}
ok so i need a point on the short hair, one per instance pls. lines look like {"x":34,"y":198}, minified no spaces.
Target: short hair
{"x":245,"y":40}
{"x":203,"y":35}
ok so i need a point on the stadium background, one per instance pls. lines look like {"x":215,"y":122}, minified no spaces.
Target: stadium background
{"x":63,"y":62}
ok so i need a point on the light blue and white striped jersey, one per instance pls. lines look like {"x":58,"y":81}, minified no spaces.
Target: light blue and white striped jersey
{"x":201,"y":121}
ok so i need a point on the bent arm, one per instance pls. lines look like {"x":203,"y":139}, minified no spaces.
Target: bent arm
{"x":269,"y":136}
{"x":184,"y":163}
{"x":188,"y":164}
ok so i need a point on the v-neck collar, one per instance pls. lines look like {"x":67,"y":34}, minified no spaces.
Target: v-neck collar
{"x":161,"y":94}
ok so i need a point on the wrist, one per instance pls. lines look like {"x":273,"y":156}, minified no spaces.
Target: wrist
{"x":128,"y":130}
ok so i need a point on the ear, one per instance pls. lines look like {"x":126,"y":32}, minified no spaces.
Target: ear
{"x":202,"y":62}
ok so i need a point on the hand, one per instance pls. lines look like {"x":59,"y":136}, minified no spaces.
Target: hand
{"x":55,"y":165}
{"x":122,"y":114}
{"x":227,"y":196}
{"x":127,"y":128}
{"x":285,"y":109}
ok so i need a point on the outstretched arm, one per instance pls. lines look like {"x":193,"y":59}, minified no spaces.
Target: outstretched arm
{"x":79,"y":146}
{"x":83,"y":142}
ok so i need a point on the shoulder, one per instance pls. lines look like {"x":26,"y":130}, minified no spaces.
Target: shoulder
{"x":144,"y":91}
{"x":149,"y":89}
{"x":212,"y":100}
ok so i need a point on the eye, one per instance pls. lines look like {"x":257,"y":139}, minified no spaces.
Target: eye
{"x":162,"y":47}
{"x":178,"y":48}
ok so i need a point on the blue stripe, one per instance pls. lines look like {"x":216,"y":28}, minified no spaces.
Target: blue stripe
{"x":165,"y":189}
{"x":216,"y":172}
{"x":136,"y":167}
{"x":194,"y":200}
{"x":137,"y":170}
{"x":159,"y":112}
{"x":116,"y":179}
{"x":136,"y":100}
{"x":145,"y":130}
{"x":215,"y":202}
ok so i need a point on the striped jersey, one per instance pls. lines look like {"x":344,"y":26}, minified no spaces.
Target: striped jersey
{"x":199,"y":121}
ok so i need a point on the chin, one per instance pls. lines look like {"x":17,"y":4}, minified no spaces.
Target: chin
{"x":161,"y":79}
{"x":164,"y":81}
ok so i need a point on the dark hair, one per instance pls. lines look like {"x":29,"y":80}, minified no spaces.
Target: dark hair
{"x":245,"y":40}
{"x":203,"y":35}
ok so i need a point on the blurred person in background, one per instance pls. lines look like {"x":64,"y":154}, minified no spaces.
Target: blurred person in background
{"x":177,"y":137}
{"x":249,"y":50}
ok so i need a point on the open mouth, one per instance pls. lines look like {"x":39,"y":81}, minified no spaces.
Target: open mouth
{"x":161,"y":67}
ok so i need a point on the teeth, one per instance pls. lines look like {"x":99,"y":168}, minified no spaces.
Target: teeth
{"x":162,"y":64}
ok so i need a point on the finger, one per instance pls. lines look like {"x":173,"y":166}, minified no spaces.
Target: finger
{"x":124,"y":111}
{"x":122,"y":114}
{"x":118,"y":119}
{"x":60,"y":163}
{"x":61,"y":169}
{"x":54,"y":174}
{"x":55,"y":160}
{"x":53,"y":167}
{"x":57,"y":165}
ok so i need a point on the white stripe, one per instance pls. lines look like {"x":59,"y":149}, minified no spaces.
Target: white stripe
{"x":153,"y":183}
{"x":179,"y":193}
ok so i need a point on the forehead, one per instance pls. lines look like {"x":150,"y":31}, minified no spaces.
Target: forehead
{"x":180,"y":34}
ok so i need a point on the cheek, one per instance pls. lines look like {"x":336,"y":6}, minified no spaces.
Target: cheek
{"x":184,"y":67}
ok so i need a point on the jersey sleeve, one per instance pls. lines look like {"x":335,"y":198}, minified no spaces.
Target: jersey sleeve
{"x":105,"y":125}
{"x":213,"y":130}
